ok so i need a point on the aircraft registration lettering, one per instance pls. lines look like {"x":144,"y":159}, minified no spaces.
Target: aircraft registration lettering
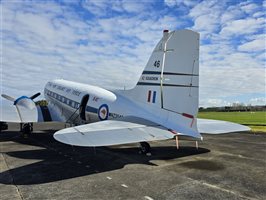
{"x":76,"y":92}
{"x":114,"y":115}
{"x":149,"y":78}
{"x":157,"y":64}
{"x":96,"y":99}
{"x":61,"y":88}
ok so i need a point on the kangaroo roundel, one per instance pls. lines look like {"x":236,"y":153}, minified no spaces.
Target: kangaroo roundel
{"x":103,"y":112}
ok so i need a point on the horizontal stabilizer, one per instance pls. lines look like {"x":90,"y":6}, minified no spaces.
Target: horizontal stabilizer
{"x":113,"y":132}
{"x":219,"y":127}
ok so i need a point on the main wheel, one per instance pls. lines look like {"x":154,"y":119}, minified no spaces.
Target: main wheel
{"x":27,"y":129}
{"x":145,"y":148}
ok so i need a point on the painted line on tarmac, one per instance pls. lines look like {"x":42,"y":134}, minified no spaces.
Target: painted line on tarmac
{"x":222,"y":189}
{"x":237,"y":155}
{"x":124,"y":185}
{"x":148,"y":198}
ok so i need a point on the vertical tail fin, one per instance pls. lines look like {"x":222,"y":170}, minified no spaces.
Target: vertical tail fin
{"x":170,"y":79}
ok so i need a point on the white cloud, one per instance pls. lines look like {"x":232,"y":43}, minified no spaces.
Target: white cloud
{"x":96,"y":7}
{"x":232,"y":13}
{"x":173,"y":3}
{"x":108,"y":43}
{"x":170,"y":3}
{"x":249,"y":7}
{"x":214,"y":103}
{"x":258,"y":14}
{"x":48,"y":44}
{"x":207,"y":23}
{"x":205,"y":7}
{"x":206,"y":16}
{"x":243,"y":26}
{"x":258,"y":101}
{"x":254,"y":45}
{"x":134,"y":6}
{"x":102,"y":7}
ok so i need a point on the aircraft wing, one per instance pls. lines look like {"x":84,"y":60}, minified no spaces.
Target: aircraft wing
{"x":113,"y":132}
{"x":219,"y":127}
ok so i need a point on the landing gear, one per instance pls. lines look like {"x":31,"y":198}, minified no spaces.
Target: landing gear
{"x":26,"y":129}
{"x":3,"y":126}
{"x":177,"y":142}
{"x":145,"y":148}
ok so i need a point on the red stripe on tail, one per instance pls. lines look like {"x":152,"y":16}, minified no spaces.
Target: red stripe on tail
{"x":188,"y":115}
{"x":149,"y":96}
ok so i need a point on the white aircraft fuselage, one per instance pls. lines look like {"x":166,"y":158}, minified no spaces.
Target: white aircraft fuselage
{"x":66,"y":97}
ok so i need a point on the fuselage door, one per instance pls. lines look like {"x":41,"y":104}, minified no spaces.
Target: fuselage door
{"x":82,"y":107}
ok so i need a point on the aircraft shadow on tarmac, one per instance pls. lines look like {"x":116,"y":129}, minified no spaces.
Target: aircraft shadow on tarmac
{"x":60,"y":162}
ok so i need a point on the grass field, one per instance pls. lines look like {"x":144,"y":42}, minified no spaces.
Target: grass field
{"x":255,"y":120}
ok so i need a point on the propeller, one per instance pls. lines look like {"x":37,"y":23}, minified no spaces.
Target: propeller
{"x":35,"y":95}
{"x":8,"y":97}
{"x":23,"y":100}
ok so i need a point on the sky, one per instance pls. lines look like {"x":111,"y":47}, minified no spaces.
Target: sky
{"x":107,"y":43}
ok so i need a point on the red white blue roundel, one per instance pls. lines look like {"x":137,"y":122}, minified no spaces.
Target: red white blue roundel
{"x":103,"y":112}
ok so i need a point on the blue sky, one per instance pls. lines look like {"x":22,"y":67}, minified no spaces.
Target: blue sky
{"x":108,"y":43}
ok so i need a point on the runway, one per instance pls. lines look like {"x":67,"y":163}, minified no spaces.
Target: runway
{"x":229,"y":166}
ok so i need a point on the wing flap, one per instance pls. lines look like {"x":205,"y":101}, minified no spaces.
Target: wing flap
{"x":112,"y":132}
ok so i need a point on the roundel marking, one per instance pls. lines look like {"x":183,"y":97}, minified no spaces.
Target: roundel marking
{"x":103,"y":112}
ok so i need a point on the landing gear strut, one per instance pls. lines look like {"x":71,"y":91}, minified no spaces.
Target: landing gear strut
{"x":145,"y":148}
{"x":26,"y":129}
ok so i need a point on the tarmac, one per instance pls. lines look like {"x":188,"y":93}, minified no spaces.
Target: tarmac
{"x":228,"y":166}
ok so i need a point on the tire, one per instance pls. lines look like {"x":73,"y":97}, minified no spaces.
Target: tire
{"x":27,"y":129}
{"x":145,"y":148}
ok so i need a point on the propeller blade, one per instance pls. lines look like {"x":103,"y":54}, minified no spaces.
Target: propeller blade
{"x":8,"y":97}
{"x":35,"y":95}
